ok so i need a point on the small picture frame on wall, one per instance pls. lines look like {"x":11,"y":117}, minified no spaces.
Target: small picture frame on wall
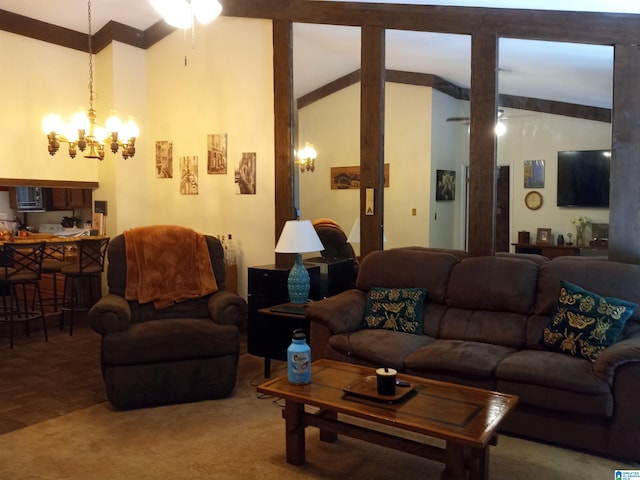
{"x":445,"y":185}
{"x":534,"y":174}
{"x":543,"y":236}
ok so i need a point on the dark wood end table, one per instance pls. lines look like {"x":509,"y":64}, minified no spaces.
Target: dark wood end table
{"x":280,"y":322}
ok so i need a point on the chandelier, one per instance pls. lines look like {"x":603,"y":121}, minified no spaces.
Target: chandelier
{"x":181,"y":13}
{"x":307,"y":158}
{"x":83,"y":132}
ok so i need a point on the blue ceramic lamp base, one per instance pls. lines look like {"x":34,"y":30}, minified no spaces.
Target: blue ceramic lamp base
{"x":298,"y":283}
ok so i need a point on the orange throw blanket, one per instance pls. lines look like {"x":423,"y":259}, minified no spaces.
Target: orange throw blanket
{"x":167,"y":264}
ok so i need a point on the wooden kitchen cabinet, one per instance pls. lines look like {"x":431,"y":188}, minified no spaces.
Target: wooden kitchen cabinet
{"x":13,"y":198}
{"x":71,"y":198}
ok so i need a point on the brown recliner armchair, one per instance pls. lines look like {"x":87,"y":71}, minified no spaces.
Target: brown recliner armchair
{"x":334,"y":240}
{"x":187,"y":351}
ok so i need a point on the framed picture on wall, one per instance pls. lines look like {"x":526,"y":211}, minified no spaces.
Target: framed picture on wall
{"x":543,"y":236}
{"x":534,"y":174}
{"x":217,"y":153}
{"x":164,"y":159}
{"x":189,"y":175}
{"x":445,"y":185}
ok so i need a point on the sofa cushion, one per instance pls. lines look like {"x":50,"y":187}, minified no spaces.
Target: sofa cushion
{"x":563,"y":402}
{"x":396,"y":309}
{"x":608,"y":278}
{"x":410,"y":267}
{"x":500,"y":284}
{"x":500,"y":328}
{"x":166,"y":340}
{"x":468,"y":358}
{"x":555,"y":381}
{"x":379,"y":347}
{"x":585,"y":323}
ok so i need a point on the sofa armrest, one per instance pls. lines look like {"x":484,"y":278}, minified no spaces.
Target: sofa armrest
{"x":616,"y":355}
{"x":110,"y":314}
{"x":226,"y":308}
{"x":340,"y":313}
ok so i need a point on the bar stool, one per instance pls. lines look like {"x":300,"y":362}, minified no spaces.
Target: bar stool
{"x":83,"y":280}
{"x":52,"y":263}
{"x":21,"y":267}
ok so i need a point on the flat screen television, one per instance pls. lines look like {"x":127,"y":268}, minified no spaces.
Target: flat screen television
{"x":583,"y":178}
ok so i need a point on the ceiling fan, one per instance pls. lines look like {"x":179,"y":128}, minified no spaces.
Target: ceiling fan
{"x":465,"y":120}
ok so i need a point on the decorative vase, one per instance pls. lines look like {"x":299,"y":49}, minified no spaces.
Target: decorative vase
{"x":298,"y":283}
{"x":570,"y":237}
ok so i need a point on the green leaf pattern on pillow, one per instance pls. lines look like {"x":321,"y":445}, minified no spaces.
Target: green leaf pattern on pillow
{"x":585,"y":323}
{"x":397,"y":309}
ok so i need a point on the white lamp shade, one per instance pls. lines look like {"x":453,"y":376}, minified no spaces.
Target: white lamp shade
{"x":354,"y":234}
{"x":299,"y":236}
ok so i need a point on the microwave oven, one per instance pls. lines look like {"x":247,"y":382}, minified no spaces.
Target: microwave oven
{"x":32,"y":199}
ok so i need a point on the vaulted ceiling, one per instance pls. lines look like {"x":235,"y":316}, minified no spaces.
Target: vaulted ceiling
{"x":580,"y":74}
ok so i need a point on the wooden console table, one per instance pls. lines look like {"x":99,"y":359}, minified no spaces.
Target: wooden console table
{"x":549,"y":251}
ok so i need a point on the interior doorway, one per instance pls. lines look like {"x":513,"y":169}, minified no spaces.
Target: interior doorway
{"x":503,"y":194}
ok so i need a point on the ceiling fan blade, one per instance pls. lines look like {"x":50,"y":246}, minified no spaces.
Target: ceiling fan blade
{"x":458,"y":119}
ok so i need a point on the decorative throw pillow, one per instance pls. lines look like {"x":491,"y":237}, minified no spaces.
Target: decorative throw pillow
{"x":585,"y":323}
{"x":397,"y":309}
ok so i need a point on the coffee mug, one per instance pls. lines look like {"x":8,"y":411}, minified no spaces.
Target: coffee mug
{"x":386,"y":379}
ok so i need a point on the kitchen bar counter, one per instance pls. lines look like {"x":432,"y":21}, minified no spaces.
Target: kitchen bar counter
{"x":49,"y":238}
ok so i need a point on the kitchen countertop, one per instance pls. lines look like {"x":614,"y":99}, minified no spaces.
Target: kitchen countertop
{"x":49,"y":238}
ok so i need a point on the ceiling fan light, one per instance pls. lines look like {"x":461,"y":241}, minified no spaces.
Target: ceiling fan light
{"x":177,"y":13}
{"x":163,"y":7}
{"x":206,"y":11}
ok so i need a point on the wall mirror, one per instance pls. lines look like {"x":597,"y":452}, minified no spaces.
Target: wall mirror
{"x":427,"y":90}
{"x":553,"y":97}
{"x":326,"y":64}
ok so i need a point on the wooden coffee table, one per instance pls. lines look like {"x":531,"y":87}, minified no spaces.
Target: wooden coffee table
{"x":466,"y":418}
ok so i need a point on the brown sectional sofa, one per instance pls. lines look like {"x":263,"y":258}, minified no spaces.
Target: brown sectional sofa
{"x":483,"y":321}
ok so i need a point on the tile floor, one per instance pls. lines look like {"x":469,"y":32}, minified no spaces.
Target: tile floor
{"x":40,"y":380}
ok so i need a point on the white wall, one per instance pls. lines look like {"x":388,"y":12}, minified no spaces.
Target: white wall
{"x":38,"y":78}
{"x":449,"y":151}
{"x":332,"y":124}
{"x":408,"y":152}
{"x":227,"y":87}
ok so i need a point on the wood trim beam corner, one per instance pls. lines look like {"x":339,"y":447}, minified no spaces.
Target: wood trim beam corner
{"x":372,"y":138}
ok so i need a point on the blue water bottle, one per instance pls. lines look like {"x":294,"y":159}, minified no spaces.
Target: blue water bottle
{"x":299,"y":359}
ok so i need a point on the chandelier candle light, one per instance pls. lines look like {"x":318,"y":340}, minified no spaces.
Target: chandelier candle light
{"x":307,"y":158}
{"x":298,"y":236}
{"x":83,"y":131}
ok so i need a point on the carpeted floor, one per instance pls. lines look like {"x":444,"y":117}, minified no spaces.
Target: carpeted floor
{"x":241,"y":437}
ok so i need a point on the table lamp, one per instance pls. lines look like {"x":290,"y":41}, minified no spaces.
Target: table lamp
{"x":298,"y":236}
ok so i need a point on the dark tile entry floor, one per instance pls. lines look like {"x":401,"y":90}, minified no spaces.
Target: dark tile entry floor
{"x":40,"y":380}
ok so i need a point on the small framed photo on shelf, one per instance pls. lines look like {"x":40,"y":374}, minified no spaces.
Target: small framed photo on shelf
{"x":543,"y":237}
